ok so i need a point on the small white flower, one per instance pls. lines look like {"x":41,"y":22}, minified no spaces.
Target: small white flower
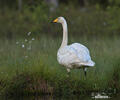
{"x":17,"y":42}
{"x":26,"y":40}
{"x":29,"y":48}
{"x":105,"y":23}
{"x":28,"y":33}
{"x":33,"y":38}
{"x":23,"y":46}
{"x":30,"y":42}
{"x":26,"y":56}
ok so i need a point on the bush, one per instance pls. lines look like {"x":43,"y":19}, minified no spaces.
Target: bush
{"x":87,"y":21}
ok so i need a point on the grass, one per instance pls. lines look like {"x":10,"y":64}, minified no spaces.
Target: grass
{"x":32,"y":68}
{"x":36,"y":70}
{"x":86,"y":21}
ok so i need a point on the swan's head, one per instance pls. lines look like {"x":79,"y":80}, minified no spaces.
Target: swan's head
{"x":59,"y":20}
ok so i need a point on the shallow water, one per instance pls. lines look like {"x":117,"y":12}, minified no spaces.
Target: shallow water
{"x":115,"y":97}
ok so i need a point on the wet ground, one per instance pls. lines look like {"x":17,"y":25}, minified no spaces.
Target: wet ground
{"x":48,"y":97}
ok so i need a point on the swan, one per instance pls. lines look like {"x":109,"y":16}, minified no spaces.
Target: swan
{"x":75,"y":55}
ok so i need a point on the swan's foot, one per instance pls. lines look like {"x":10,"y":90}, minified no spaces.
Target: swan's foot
{"x":68,"y":72}
{"x":85,"y":71}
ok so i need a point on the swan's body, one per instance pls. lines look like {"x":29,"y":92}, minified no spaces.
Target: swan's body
{"x":75,"y":55}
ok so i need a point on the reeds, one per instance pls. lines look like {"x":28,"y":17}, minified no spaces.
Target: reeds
{"x":37,"y":70}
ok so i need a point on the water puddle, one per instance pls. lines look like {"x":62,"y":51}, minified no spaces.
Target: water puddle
{"x":94,"y":96}
{"x":102,"y":95}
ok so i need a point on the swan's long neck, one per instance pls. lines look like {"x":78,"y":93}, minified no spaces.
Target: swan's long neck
{"x":65,"y":35}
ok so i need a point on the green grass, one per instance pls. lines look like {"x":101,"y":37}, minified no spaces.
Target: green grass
{"x":81,"y":21}
{"x":41,"y":73}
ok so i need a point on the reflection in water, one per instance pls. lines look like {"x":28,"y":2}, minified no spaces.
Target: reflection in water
{"x":117,"y":97}
{"x":99,"y":95}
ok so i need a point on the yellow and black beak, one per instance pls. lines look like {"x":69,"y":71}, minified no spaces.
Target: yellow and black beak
{"x":55,"y":21}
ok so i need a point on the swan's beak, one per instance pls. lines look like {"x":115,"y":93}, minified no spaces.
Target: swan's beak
{"x":55,"y":21}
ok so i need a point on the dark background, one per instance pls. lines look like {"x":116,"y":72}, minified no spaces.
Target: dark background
{"x":89,"y":17}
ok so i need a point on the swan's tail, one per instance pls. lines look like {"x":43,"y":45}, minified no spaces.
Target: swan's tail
{"x":89,"y":63}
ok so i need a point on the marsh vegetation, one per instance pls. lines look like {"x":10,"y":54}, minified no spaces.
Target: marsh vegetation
{"x":29,"y":44}
{"x":37,"y":70}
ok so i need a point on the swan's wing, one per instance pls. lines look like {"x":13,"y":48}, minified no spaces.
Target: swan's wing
{"x":67,"y":56}
{"x":82,"y":52}
{"x":74,"y":55}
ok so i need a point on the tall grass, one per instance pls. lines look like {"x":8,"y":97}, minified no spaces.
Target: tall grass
{"x":86,"y":21}
{"x":36,"y":70}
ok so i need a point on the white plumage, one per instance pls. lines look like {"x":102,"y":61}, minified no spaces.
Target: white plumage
{"x":75,"y":55}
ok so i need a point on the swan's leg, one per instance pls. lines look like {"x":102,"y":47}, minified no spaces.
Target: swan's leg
{"x":85,"y":71}
{"x":68,"y":72}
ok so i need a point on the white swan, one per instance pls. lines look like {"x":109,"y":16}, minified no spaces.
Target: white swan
{"x":75,"y":55}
